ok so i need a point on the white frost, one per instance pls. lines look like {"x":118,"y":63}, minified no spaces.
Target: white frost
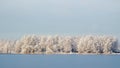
{"x":35,"y":44}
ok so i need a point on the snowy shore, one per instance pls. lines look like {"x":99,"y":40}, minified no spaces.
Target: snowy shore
{"x":37,"y":44}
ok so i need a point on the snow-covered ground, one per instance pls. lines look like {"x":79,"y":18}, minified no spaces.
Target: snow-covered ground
{"x":37,"y":44}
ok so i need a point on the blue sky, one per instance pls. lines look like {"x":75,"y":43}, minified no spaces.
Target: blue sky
{"x":73,"y":17}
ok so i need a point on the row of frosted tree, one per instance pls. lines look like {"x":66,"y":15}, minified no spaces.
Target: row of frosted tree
{"x":37,"y":44}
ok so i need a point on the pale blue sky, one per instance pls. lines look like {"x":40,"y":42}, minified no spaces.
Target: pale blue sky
{"x":73,"y":17}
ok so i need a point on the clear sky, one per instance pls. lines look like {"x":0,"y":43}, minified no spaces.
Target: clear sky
{"x":73,"y":17}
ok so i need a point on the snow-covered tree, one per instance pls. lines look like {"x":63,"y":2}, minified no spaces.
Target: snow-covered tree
{"x":38,"y":44}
